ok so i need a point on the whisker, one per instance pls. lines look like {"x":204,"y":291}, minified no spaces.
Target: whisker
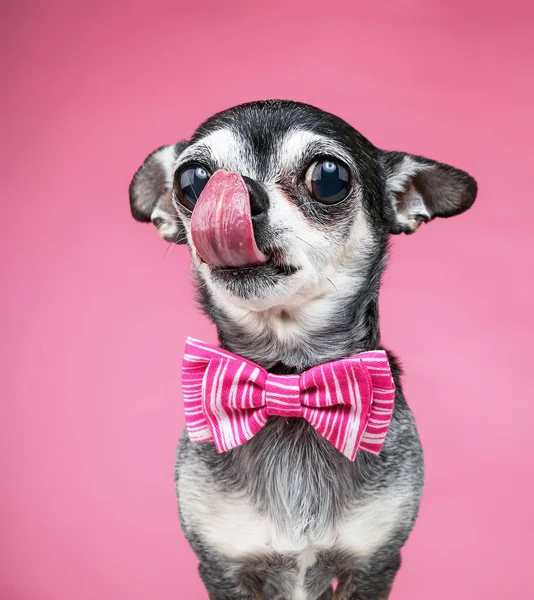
{"x":338,"y":296}
{"x":168,"y":249}
{"x":315,"y":250}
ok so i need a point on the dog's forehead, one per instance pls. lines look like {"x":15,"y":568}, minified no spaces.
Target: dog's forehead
{"x":264,"y":154}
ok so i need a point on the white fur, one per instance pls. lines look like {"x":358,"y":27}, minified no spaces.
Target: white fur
{"x":167,"y":158}
{"x":232,"y":525}
{"x":226,"y":150}
{"x":414,"y":207}
{"x":306,"y":560}
{"x":403,"y":172}
{"x":371,"y":524}
{"x":164,"y":209}
{"x":169,"y":227}
{"x":399,"y":183}
{"x":296,"y":142}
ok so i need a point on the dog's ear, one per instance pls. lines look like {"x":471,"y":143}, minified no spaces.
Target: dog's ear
{"x":419,"y":189}
{"x":151,"y":193}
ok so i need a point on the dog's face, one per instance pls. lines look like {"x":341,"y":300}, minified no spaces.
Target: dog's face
{"x":283,"y":205}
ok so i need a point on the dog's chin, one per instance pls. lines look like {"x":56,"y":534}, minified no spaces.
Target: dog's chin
{"x":254,"y":286}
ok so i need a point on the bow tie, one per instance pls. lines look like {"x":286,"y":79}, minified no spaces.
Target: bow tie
{"x":228,"y":399}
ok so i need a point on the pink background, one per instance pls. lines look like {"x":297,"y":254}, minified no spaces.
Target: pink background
{"x":94,"y":309}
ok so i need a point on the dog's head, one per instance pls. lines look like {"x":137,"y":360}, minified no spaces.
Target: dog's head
{"x":287,"y":209}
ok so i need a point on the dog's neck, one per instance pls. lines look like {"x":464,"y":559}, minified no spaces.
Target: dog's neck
{"x":288,"y":341}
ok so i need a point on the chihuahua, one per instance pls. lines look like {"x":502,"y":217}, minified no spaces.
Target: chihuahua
{"x":284,"y":515}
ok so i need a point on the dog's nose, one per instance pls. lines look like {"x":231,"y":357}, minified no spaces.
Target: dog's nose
{"x":259,"y":200}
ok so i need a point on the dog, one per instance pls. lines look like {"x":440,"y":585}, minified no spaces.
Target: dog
{"x":285,"y":514}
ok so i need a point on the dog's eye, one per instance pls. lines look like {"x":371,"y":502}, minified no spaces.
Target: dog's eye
{"x":190,"y":182}
{"x":328,"y":181}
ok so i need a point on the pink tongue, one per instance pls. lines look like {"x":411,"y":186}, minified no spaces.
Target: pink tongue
{"x":221,"y":225}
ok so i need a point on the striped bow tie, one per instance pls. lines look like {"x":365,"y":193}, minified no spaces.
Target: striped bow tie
{"x":228,"y":399}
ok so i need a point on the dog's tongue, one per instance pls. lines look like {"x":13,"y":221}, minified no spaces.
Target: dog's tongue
{"x":221,"y":224}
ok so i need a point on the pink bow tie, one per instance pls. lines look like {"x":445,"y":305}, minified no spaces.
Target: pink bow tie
{"x":228,"y":399}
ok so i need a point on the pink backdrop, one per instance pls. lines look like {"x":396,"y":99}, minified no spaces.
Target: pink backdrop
{"x":93,"y":308}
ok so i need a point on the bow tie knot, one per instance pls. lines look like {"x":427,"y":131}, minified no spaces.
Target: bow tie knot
{"x":282,"y":396}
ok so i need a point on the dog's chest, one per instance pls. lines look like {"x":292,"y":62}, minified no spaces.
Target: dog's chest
{"x":233,"y":526}
{"x":290,"y":493}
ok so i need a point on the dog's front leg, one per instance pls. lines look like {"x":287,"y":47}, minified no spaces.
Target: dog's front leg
{"x":222,"y":582}
{"x":370,"y":582}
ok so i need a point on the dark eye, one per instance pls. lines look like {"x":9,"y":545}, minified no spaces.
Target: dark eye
{"x":328,"y":181}
{"x":190,"y":181}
